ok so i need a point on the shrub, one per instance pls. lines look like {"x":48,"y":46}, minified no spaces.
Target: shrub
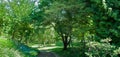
{"x":5,"y":43}
{"x":8,"y":49}
{"x":59,"y":43}
{"x":101,"y":49}
{"x":7,"y":52}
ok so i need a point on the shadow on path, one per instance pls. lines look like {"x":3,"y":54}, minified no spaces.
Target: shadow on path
{"x":45,"y":53}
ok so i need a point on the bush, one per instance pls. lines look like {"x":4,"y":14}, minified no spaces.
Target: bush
{"x":117,"y":51}
{"x":101,"y":49}
{"x":7,"y":52}
{"x":5,"y":43}
{"x":59,"y":43}
{"x":9,"y":49}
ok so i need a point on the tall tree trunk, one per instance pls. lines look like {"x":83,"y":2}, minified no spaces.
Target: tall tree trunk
{"x":66,"y":42}
{"x":65,"y":46}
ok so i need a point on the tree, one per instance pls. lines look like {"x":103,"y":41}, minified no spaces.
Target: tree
{"x":16,"y":19}
{"x":106,"y":19}
{"x":64,"y":16}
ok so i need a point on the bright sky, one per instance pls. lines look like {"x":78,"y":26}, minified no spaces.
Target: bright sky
{"x":36,"y":1}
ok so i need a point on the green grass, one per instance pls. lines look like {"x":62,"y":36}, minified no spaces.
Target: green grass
{"x":5,"y":43}
{"x":7,"y":52}
{"x":71,"y":52}
{"x":9,"y":49}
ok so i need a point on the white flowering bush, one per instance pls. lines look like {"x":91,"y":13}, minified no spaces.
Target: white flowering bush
{"x":101,"y":49}
{"x":117,"y":51}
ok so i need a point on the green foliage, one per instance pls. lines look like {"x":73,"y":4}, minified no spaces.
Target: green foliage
{"x":27,"y":50}
{"x":105,"y":15}
{"x":33,"y":53}
{"x":15,"y":18}
{"x":65,"y":16}
{"x":101,"y":49}
{"x":8,"y":49}
{"x":7,"y":52}
{"x":59,"y":43}
{"x":72,"y":21}
{"x":117,"y":51}
{"x":4,"y":43}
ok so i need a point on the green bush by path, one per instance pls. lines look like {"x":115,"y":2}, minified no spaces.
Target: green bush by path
{"x":102,"y":49}
{"x":6,"y":43}
{"x":7,"y":52}
{"x":8,"y":48}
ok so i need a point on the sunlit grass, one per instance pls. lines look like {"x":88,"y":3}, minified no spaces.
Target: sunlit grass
{"x":7,"y":52}
{"x":8,"y":49}
{"x":4,"y":42}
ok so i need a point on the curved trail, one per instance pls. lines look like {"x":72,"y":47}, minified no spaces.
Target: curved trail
{"x":47,"y":54}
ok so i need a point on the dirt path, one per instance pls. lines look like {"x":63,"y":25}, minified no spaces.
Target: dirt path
{"x":47,"y":54}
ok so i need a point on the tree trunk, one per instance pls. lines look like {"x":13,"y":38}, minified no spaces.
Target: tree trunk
{"x":65,"y":46}
{"x":66,"y":42}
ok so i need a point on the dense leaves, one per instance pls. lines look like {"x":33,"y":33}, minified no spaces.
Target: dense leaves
{"x":82,"y":23}
{"x":106,"y":19}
